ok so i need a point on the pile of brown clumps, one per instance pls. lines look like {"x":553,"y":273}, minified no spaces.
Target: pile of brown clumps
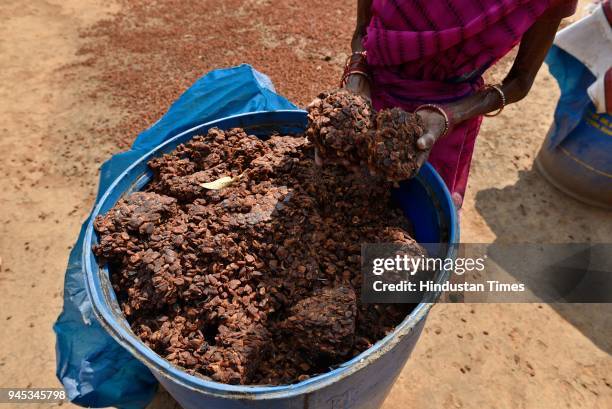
{"x":345,"y":130}
{"x":257,"y":282}
{"x":392,"y":148}
{"x":338,"y":125}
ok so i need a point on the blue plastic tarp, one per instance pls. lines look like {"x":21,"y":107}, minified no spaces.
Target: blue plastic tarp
{"x":94,"y":369}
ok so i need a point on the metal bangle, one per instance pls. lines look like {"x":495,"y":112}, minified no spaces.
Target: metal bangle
{"x":499,"y":91}
{"x":353,"y":72}
{"x":358,"y":72}
{"x":358,"y":67}
{"x":437,"y":108}
{"x":363,"y":54}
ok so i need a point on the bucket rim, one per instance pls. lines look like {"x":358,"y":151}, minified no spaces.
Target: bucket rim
{"x":109,"y":320}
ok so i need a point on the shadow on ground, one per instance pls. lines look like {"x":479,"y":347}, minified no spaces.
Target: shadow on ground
{"x":532,"y":211}
{"x":163,"y":400}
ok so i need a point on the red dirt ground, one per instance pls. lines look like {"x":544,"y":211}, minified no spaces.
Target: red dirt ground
{"x":150,"y":52}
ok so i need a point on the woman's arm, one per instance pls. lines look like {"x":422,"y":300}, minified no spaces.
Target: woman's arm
{"x":532,"y":51}
{"x":363,"y":20}
{"x":358,"y":83}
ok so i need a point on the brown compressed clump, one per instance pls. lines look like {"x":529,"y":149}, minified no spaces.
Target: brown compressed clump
{"x":327,"y":316}
{"x":345,"y":130}
{"x":338,"y":122}
{"x":257,"y":282}
{"x":392,"y":149}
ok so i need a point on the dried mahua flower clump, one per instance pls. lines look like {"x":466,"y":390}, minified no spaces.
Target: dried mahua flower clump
{"x":327,"y":316}
{"x":392,"y":149}
{"x":338,"y":122}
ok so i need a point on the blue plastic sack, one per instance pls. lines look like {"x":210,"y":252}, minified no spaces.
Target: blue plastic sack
{"x":574,"y":106}
{"x":94,"y":369}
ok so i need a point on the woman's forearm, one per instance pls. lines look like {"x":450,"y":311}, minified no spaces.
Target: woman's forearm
{"x":363,"y":20}
{"x":532,"y":51}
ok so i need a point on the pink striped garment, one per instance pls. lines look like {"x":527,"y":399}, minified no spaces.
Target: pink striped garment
{"x":435,"y":51}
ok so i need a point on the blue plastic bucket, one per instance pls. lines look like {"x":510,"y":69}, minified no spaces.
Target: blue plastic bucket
{"x":361,"y":383}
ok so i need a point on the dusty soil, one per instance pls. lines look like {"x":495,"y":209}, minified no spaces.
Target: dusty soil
{"x":58,"y":99}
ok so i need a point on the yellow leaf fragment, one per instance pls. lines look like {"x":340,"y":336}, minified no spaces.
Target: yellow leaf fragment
{"x":220,"y":183}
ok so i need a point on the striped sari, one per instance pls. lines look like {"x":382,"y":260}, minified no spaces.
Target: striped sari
{"x":435,"y":51}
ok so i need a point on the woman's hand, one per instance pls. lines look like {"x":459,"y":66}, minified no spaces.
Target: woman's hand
{"x":434,"y":123}
{"x":358,"y":84}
